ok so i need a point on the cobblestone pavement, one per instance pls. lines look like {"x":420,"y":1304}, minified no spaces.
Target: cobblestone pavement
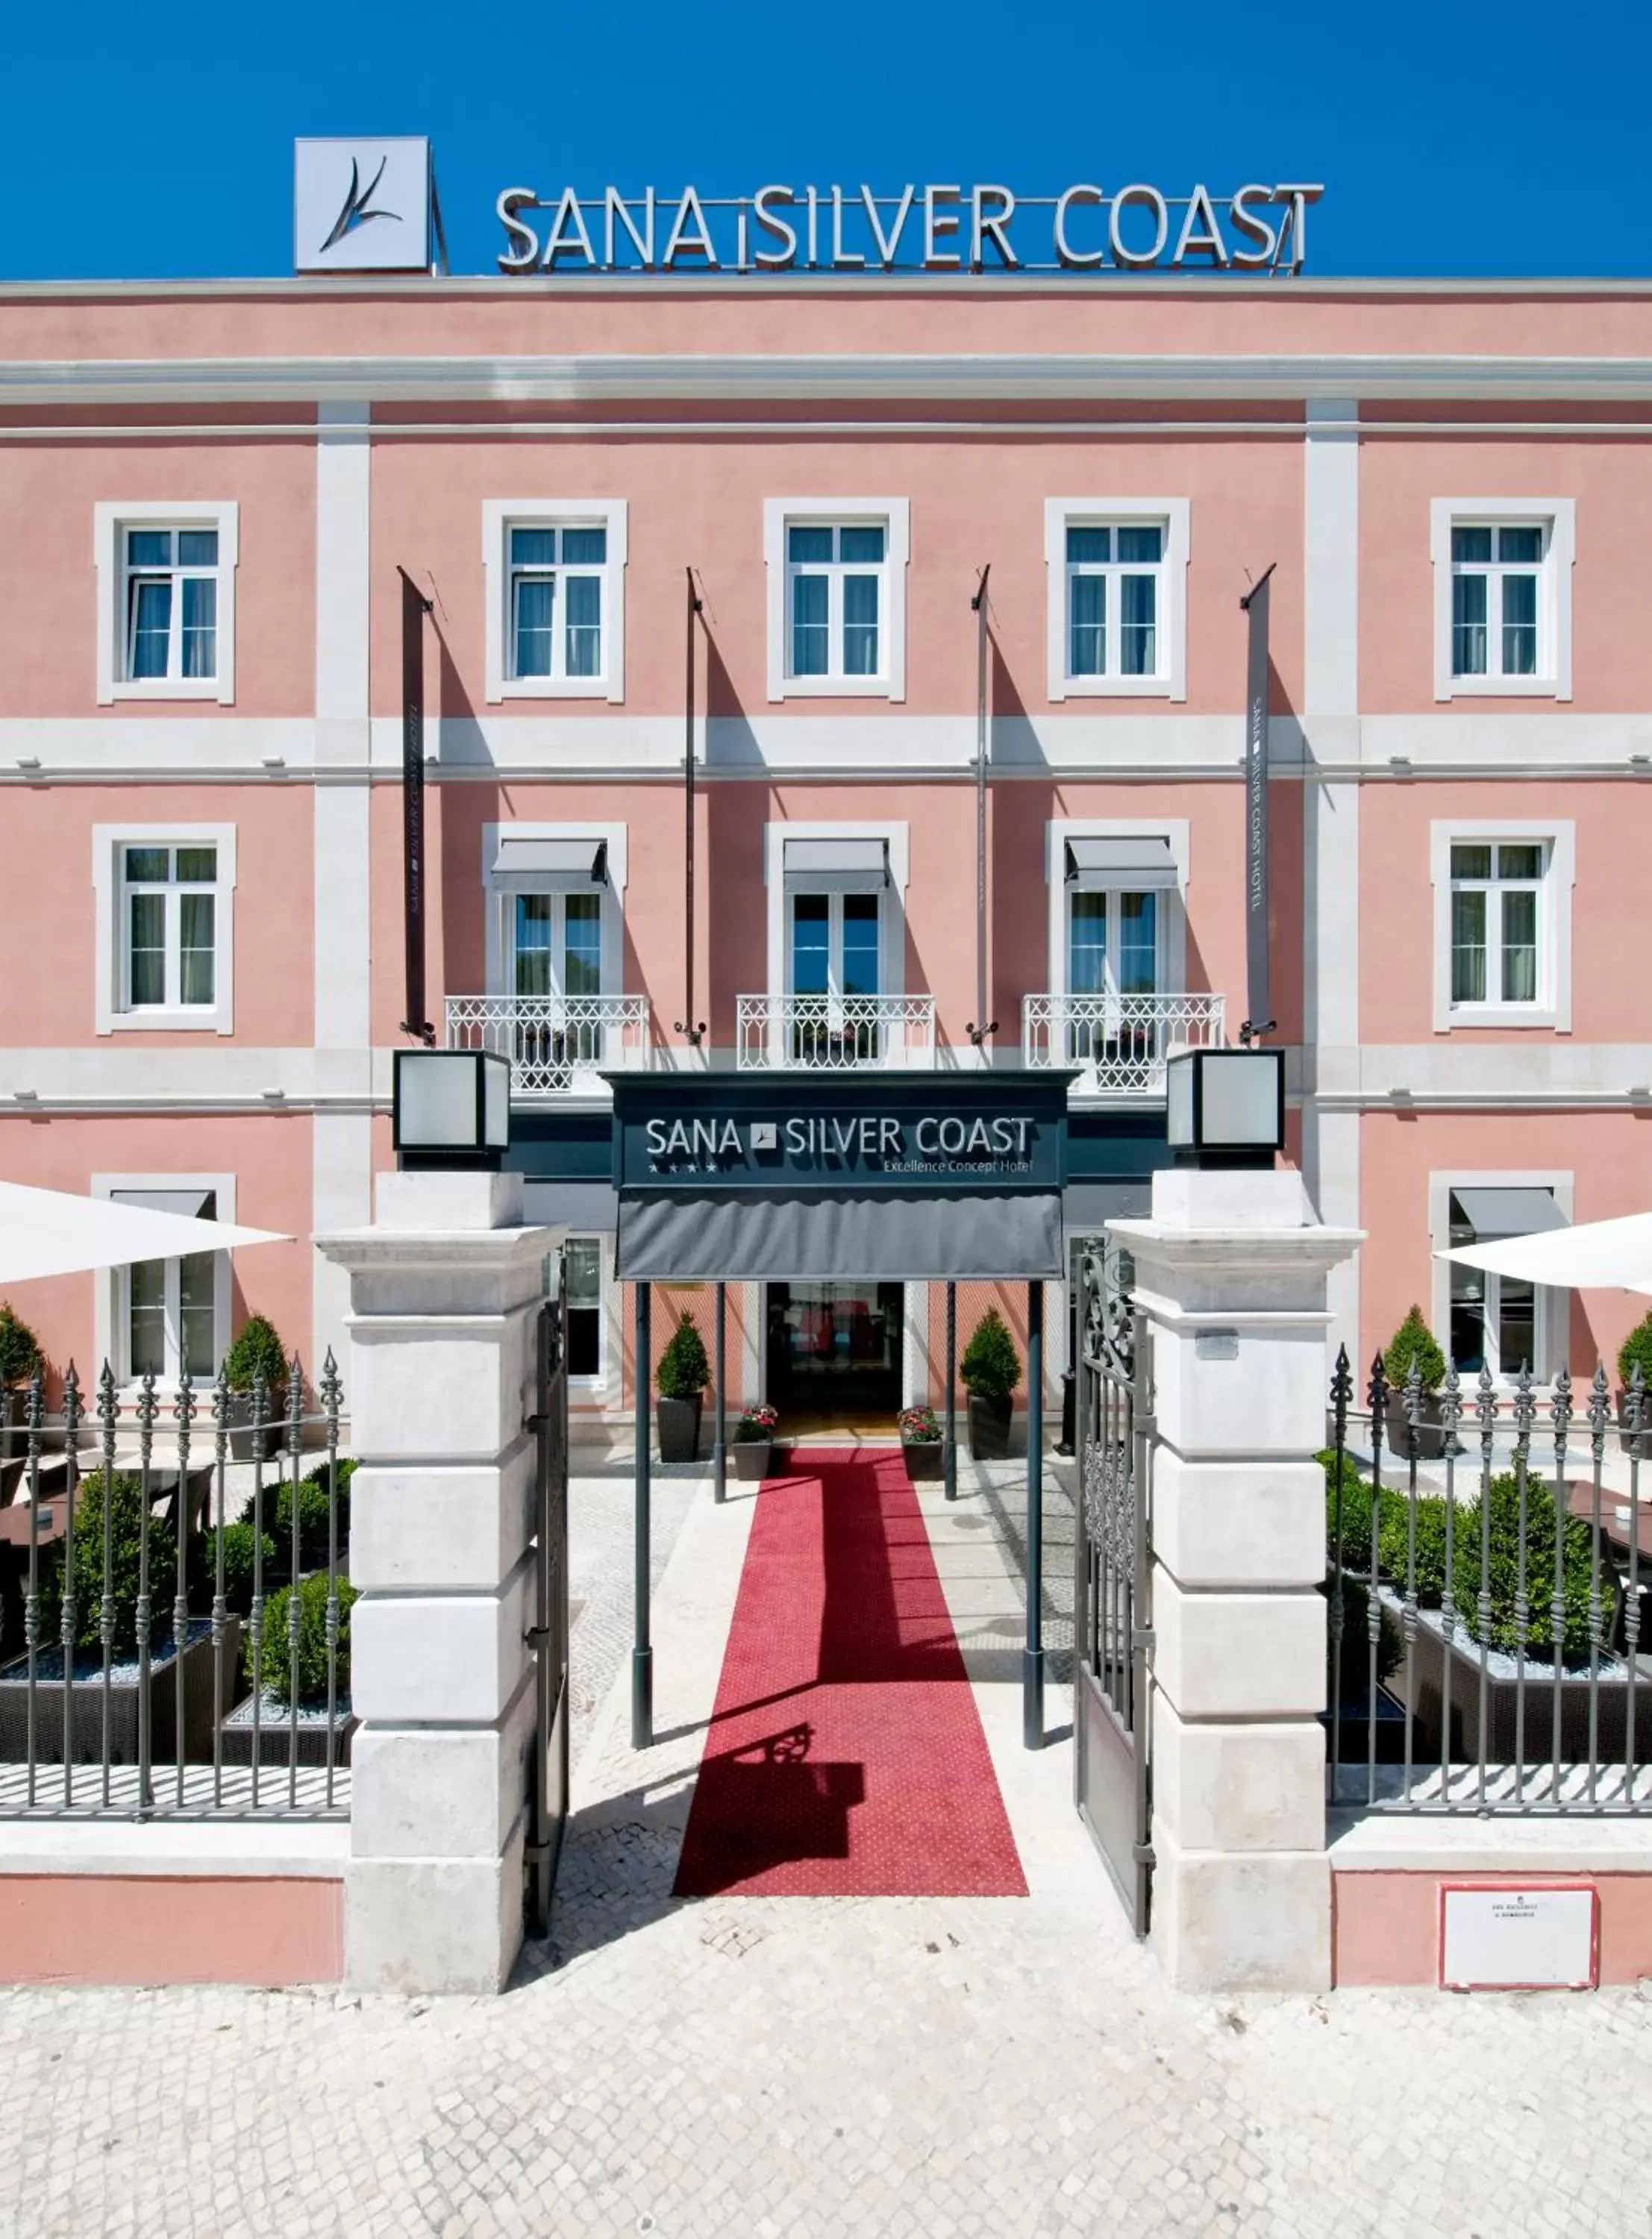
{"x":599,"y":1533}
{"x":776,"y":2069}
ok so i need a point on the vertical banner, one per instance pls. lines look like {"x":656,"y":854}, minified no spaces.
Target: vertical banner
{"x":1258,"y":993}
{"x":414,"y":607}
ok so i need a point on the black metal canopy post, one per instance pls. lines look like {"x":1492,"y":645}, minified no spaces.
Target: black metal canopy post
{"x":980,"y":1026}
{"x":1033,"y":1660}
{"x":693,"y":1030}
{"x":642,"y":1647}
{"x":951,"y":1464}
{"x":720,"y":1399}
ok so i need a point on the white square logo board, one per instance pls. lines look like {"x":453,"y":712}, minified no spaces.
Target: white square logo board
{"x":362,"y":205}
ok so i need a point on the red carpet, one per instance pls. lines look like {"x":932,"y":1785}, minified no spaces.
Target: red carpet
{"x":844,"y":1757}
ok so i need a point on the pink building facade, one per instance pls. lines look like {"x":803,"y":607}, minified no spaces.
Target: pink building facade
{"x":209,"y":490}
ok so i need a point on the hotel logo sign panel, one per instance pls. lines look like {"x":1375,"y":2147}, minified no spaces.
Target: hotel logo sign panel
{"x":915,"y":1135}
{"x":362,"y":205}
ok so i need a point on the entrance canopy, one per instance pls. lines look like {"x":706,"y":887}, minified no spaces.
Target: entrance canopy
{"x":875,"y":1177}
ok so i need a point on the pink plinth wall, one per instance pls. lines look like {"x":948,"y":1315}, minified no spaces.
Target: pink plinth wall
{"x":1386,"y":1927}
{"x":78,"y":1929}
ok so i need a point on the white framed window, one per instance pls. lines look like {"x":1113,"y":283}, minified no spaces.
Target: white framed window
{"x":1495,"y":1321}
{"x":166,"y":600}
{"x":1117,"y":596}
{"x":167,"y":937}
{"x":1123,"y":932}
{"x":554,"y":579}
{"x":162,"y":1316}
{"x":163,"y":902}
{"x":1502,"y":908}
{"x":584,"y":1259}
{"x":837,"y":597}
{"x":1112,"y":942}
{"x":1503,"y":597}
{"x":555,"y":922}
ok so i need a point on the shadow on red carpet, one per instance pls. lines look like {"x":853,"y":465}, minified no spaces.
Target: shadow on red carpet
{"x":845,"y":1754}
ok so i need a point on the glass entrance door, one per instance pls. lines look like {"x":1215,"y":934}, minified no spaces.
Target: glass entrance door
{"x":834,"y":1354}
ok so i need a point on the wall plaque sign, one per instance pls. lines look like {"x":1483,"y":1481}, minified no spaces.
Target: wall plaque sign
{"x":1541,"y":1938}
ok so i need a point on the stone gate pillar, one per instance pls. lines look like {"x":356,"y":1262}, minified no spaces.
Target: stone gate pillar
{"x":1232,"y":1274}
{"x":444,"y":1292}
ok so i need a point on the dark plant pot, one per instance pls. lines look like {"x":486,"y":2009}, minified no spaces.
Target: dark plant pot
{"x":989,"y":1428}
{"x":1430,"y":1434}
{"x":753,"y":1459}
{"x":679,"y":1421}
{"x":1444,"y":1691}
{"x":202,"y":1705}
{"x":1627,"y":1440}
{"x":245,"y":1444}
{"x":923,"y":1458}
{"x":276,"y":1735}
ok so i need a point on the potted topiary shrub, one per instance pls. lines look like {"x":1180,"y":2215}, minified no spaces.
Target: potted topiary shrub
{"x":920,"y":1442}
{"x":990,"y":1372}
{"x":1414,"y":1343}
{"x":680,"y":1380}
{"x":269,"y":1674}
{"x":754,"y":1442}
{"x":20,"y":1356}
{"x":1636,"y":1352}
{"x":315,"y":1521}
{"x":256,"y":1347}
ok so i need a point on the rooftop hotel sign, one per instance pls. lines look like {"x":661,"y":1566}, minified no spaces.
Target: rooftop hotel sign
{"x":922,"y":228}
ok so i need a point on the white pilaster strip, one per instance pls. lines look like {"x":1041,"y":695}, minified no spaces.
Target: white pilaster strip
{"x":341,"y":1142}
{"x":1331,"y":819}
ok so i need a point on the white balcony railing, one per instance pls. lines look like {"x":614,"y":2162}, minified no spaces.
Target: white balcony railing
{"x":837,"y":1033}
{"x":557,"y":1045}
{"x":1119,"y":1042}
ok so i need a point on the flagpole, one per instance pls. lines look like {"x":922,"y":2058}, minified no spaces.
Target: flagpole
{"x":693,"y":1030}
{"x":1258,"y":991}
{"x":981,"y":1026}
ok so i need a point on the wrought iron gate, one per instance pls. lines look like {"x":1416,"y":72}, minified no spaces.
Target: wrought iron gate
{"x":548,"y":1764}
{"x":1111,"y":1608}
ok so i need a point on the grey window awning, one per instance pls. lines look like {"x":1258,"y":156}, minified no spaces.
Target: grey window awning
{"x":1493,"y":1213}
{"x":678,"y":1236}
{"x":524,"y":866}
{"x":1093,"y":865}
{"x":192,"y":1204}
{"x":846,"y":866}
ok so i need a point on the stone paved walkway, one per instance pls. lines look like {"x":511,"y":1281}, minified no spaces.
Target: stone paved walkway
{"x":776,"y":2069}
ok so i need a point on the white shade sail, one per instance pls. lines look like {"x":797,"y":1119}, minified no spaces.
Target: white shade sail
{"x":1598,"y":1255}
{"x":55,"y":1232}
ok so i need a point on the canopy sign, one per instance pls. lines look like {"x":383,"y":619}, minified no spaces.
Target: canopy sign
{"x":912,"y":1133}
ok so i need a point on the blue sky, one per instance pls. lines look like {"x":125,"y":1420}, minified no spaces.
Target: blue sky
{"x":1452,"y":136}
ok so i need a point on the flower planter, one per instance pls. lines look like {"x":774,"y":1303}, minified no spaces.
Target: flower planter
{"x":988,"y":1421}
{"x":246,"y":1444}
{"x":202,"y":1703}
{"x":1440,"y":1679}
{"x":276,"y":1733}
{"x":679,"y":1422}
{"x":1430,"y":1432}
{"x":923,"y":1458}
{"x":753,"y":1459}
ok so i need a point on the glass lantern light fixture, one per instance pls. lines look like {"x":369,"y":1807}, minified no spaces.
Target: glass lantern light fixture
{"x":1225,"y":1107}
{"x":450,"y":1109}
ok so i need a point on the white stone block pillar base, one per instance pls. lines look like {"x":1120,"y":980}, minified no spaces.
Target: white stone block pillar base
{"x":1230,"y":1277}
{"x":444,"y":1293}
